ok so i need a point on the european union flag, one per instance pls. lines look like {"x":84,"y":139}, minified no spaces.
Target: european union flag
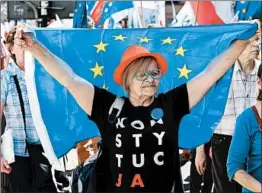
{"x":249,"y":10}
{"x":99,"y":11}
{"x":94,"y":55}
{"x":80,"y":16}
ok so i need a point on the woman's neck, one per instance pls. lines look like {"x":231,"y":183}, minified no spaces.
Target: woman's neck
{"x":21,"y":65}
{"x":247,"y":66}
{"x":140,"y":100}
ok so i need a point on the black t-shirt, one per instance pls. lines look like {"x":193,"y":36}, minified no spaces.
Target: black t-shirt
{"x":142,"y":144}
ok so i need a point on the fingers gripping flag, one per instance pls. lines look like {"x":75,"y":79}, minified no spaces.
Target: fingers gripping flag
{"x":94,"y":54}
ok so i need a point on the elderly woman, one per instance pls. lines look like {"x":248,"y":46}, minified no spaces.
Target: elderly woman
{"x":142,"y":142}
{"x":244,"y":163}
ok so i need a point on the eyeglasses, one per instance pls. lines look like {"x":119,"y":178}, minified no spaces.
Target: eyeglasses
{"x":154,"y":74}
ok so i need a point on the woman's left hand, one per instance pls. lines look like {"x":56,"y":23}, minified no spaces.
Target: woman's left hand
{"x":257,"y":34}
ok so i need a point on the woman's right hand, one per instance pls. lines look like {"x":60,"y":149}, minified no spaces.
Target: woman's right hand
{"x":5,"y":167}
{"x":24,"y":37}
{"x":257,"y":34}
{"x":81,"y":89}
{"x":200,"y":162}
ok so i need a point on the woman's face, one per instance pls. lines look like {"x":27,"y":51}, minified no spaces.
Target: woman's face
{"x":146,"y":84}
{"x":251,"y":52}
{"x":18,"y":52}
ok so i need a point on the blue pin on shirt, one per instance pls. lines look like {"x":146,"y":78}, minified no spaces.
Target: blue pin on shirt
{"x":157,"y":113}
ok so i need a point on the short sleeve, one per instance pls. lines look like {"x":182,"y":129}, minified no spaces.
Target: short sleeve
{"x":239,"y":148}
{"x":179,"y":98}
{"x":101,"y":105}
{"x":4,"y":87}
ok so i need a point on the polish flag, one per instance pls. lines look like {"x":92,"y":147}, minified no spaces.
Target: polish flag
{"x":97,"y":11}
{"x":205,"y":13}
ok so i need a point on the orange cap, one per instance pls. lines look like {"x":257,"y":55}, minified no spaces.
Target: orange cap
{"x":131,"y":54}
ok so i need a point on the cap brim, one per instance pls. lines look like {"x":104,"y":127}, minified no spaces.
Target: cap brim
{"x":122,"y":66}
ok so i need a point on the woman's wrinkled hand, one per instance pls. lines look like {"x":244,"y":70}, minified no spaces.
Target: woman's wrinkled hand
{"x":24,"y":37}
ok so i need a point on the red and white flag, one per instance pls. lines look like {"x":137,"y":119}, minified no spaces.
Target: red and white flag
{"x":97,"y":11}
{"x":205,"y":13}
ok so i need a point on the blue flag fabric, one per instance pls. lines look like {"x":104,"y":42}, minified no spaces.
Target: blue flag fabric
{"x":94,"y":55}
{"x":80,"y":16}
{"x":249,"y":10}
{"x":84,"y":9}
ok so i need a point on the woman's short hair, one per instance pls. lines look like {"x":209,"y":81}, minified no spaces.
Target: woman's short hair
{"x":139,"y":65}
{"x":10,"y":38}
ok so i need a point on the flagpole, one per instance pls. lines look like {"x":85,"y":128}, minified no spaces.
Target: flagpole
{"x":197,"y":12}
{"x":142,"y":14}
{"x":173,"y":10}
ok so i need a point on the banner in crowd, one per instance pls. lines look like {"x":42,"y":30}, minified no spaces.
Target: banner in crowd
{"x":248,"y":10}
{"x":94,"y":55}
{"x":152,"y":12}
{"x":205,"y":13}
{"x":99,"y":11}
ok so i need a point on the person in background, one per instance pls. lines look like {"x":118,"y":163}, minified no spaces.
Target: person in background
{"x":5,"y":55}
{"x":201,"y":177}
{"x":90,"y":23}
{"x":242,"y":95}
{"x":4,"y":62}
{"x":31,"y":170}
{"x":244,"y":163}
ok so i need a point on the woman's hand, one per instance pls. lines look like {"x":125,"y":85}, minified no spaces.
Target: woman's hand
{"x":5,"y":166}
{"x":201,"y":160}
{"x":81,"y":90}
{"x":256,"y":36}
{"x":24,"y":37}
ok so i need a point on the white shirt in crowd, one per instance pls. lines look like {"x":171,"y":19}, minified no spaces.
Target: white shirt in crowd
{"x":242,"y":95}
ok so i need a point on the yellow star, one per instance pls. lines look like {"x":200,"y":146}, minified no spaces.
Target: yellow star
{"x":119,"y":37}
{"x":242,"y":2}
{"x":105,"y":87}
{"x":180,"y":51}
{"x":167,"y":41}
{"x":100,"y":47}
{"x":244,"y":11}
{"x":75,"y":10}
{"x":97,"y":70}
{"x":184,"y":72}
{"x":145,"y":39}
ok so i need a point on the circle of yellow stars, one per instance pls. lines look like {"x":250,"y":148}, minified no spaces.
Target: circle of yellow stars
{"x":101,"y":47}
